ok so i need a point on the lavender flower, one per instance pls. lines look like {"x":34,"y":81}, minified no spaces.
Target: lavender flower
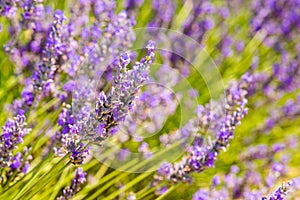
{"x":18,"y":165}
{"x":109,"y":111}
{"x":7,"y":8}
{"x":52,"y":54}
{"x":13,"y":132}
{"x":13,"y":165}
{"x":197,"y":24}
{"x":112,"y":108}
{"x":98,"y":42}
{"x":68,"y":139}
{"x":200,"y":195}
{"x":144,"y":149}
{"x":280,"y":193}
{"x":280,"y":23}
{"x":202,"y":155}
{"x":46,"y":56}
{"x":70,"y":191}
{"x":164,"y":11}
{"x":226,"y":45}
{"x":287,"y":112}
{"x":133,"y":4}
{"x":33,"y":18}
{"x":246,"y":181}
{"x":44,"y":76}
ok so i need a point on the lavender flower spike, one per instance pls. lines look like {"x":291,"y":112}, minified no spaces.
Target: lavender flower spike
{"x":79,"y":179}
{"x":282,"y":192}
{"x":203,"y":155}
{"x":110,"y":110}
{"x":113,"y":108}
{"x":44,"y":76}
{"x":13,"y":132}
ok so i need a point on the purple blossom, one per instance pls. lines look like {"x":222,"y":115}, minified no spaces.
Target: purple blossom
{"x":16,"y":163}
{"x":95,"y":126}
{"x":132,"y":4}
{"x":144,"y":149}
{"x":276,"y":18}
{"x":164,"y":11}
{"x":202,"y":155}
{"x":240,"y":45}
{"x":216,"y":181}
{"x":113,"y":108}
{"x":44,"y":76}
{"x":78,"y":180}
{"x":226,"y":44}
{"x":12,"y":135}
{"x":26,"y":167}
{"x":201,"y":195}
{"x":81,"y":49}
{"x":280,"y":193}
{"x":246,"y":181}
{"x":67,"y":140}
{"x":145,"y":115}
{"x":8,"y":7}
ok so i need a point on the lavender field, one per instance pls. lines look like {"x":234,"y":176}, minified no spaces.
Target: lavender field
{"x":150,"y":99}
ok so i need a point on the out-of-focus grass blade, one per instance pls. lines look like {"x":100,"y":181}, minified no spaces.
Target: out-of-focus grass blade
{"x":182,"y":14}
{"x":128,"y":185}
{"x":133,"y":167}
{"x":45,"y":176}
{"x":39,"y":112}
{"x":57,"y":186}
{"x":10,"y":83}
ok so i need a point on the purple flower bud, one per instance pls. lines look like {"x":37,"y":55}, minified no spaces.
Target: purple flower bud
{"x":125,"y":59}
{"x":216,"y":181}
{"x":78,"y":180}
{"x":239,"y":46}
{"x":26,"y":167}
{"x":69,"y":86}
{"x":16,"y":163}
{"x":201,"y":195}
{"x":224,"y":12}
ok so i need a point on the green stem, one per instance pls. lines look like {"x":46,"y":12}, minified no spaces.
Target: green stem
{"x":33,"y":181}
{"x":128,"y":185}
{"x":57,"y":186}
{"x":29,"y":194}
{"x":147,"y":190}
{"x":106,"y":178}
